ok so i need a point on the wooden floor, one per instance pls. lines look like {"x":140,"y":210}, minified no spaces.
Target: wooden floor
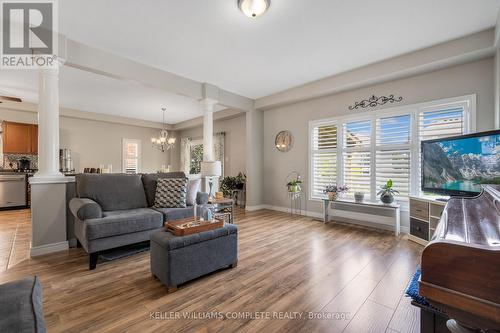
{"x":352,"y":277}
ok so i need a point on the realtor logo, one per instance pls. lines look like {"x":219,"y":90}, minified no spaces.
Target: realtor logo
{"x":29,"y":37}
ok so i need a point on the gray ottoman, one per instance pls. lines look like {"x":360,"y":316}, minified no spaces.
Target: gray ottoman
{"x":175,"y":260}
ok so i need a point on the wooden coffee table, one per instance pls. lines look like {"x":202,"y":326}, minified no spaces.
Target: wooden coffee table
{"x":224,"y":207}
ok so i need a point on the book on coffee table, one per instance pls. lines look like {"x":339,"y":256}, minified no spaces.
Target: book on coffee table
{"x":191,"y":226}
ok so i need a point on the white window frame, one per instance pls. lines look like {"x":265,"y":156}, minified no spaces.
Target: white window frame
{"x":312,"y":151}
{"x":468,"y":102}
{"x":195,"y":142}
{"x":139,"y":153}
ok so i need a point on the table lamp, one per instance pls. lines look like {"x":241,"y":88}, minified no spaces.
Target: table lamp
{"x":211,"y":169}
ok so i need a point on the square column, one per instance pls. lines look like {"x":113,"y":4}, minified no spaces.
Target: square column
{"x":208,"y":105}
{"x":48,"y":124}
{"x":48,"y":185}
{"x":254,"y":159}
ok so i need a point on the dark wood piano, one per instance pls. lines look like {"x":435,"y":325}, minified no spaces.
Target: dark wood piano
{"x":461,"y":264}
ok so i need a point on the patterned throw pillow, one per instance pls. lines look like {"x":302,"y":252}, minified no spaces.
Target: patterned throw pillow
{"x":171,"y":193}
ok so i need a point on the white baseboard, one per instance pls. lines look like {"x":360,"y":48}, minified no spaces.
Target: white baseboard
{"x":254,"y":208}
{"x":287,"y":210}
{"x":48,"y":248}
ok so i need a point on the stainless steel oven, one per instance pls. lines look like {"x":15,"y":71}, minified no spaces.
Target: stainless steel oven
{"x":12,"y":190}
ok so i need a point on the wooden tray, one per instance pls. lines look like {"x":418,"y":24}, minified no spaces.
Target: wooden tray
{"x":176,"y":228}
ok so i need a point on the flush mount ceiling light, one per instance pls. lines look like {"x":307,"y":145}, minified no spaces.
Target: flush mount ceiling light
{"x":254,"y":8}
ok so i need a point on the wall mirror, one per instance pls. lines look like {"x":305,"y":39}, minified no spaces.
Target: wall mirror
{"x":284,"y":141}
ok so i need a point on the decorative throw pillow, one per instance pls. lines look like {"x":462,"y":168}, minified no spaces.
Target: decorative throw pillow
{"x":193,"y":186}
{"x":171,"y":193}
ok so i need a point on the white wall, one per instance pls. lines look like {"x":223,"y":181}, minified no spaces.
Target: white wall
{"x":235,"y":145}
{"x":475,"y":77}
{"x":97,"y":142}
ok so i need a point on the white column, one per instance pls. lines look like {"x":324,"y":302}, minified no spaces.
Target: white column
{"x":48,"y":124}
{"x":208,"y":128}
{"x":48,"y":186}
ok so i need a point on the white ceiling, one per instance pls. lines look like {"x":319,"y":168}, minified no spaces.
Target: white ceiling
{"x":295,"y":42}
{"x":86,"y":91}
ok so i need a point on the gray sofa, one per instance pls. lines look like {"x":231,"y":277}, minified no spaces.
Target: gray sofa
{"x":114,"y":210}
{"x":21,"y":308}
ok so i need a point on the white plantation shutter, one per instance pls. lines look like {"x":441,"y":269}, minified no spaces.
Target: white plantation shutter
{"x":357,"y":134}
{"x":357,"y":156}
{"x":441,"y":123}
{"x":364,"y":152}
{"x":393,"y":153}
{"x":357,"y":172}
{"x":324,"y":158}
{"x":131,"y":155}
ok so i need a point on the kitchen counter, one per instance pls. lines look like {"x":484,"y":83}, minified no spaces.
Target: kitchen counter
{"x":30,"y":173}
{"x":11,"y":172}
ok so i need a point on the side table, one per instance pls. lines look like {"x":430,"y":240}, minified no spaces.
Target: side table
{"x":224,"y":207}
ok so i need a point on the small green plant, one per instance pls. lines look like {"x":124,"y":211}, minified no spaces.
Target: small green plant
{"x":387,"y":189}
{"x":294,"y":184}
{"x":229,"y":183}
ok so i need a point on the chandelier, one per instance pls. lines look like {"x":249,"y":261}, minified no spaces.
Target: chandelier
{"x":163,"y":142}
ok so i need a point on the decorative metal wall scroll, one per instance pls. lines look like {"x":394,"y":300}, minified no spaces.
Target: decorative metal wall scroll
{"x":374,"y":101}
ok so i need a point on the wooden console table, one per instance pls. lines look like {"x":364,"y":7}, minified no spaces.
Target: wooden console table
{"x":392,"y":211}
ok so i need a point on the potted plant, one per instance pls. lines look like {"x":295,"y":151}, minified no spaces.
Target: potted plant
{"x":334,"y":190}
{"x":240,"y":181}
{"x":229,"y":183}
{"x":387,"y":192}
{"x":294,"y":185}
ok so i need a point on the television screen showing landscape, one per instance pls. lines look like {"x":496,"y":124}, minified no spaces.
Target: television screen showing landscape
{"x":462,"y":164}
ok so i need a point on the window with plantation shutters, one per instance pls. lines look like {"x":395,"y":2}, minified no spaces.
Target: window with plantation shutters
{"x":131,"y":156}
{"x":357,"y":156}
{"x":365,"y":151}
{"x":393,"y":153}
{"x":440,"y":123}
{"x":324,"y":158}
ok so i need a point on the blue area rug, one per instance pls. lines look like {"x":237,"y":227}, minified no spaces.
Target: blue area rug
{"x":412,"y":290}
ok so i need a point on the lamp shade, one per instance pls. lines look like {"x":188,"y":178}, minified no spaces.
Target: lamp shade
{"x":211,"y":169}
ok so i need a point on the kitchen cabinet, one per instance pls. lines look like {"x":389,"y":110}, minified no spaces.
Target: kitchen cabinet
{"x":19,"y":138}
{"x":34,"y":139}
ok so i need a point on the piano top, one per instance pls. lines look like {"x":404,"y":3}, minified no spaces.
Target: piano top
{"x":475,"y":221}
{"x":460,"y":266}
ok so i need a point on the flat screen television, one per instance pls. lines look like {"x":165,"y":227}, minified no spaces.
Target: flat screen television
{"x":458,"y":166}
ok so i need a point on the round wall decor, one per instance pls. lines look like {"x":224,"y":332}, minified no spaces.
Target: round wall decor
{"x":284,"y":141}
